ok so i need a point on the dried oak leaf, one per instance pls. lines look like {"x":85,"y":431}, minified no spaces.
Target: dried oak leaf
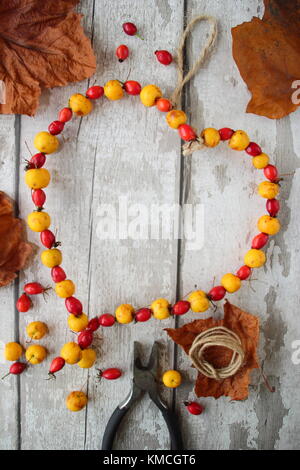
{"x":267,"y":53}
{"x":14,"y":251}
{"x":246,"y":326}
{"x":42,"y":44}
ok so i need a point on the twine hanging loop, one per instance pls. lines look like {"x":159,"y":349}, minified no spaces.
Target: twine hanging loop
{"x":182,"y":80}
{"x":217,"y":336}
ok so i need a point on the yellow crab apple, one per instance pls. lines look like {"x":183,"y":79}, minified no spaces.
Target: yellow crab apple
{"x":36,"y":330}
{"x":88,"y":358}
{"x":76,"y":400}
{"x":13,"y":351}
{"x":35,"y":354}
{"x":71,"y":353}
{"x":160,"y":308}
{"x":78,"y":323}
{"x":124,"y":313}
{"x":172,"y":378}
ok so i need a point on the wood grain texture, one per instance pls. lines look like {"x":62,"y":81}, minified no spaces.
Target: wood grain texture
{"x":123,"y":149}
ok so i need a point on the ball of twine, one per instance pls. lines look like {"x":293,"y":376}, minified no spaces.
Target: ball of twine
{"x":217,"y":336}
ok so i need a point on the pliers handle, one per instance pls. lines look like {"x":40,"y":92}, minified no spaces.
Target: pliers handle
{"x":143,"y":380}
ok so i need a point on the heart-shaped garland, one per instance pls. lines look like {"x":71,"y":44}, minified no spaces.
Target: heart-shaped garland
{"x":37,"y":177}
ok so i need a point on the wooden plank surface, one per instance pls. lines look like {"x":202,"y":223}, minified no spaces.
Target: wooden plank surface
{"x":123,"y":149}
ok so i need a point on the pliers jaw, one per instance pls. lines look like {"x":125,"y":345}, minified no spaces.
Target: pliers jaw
{"x":144,"y":378}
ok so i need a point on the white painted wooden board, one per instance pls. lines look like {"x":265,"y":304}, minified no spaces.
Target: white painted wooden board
{"x":123,"y":149}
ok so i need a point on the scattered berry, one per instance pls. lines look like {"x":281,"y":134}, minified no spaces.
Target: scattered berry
{"x":110,"y":374}
{"x":130,"y":29}
{"x":23,"y":303}
{"x":16,"y":369}
{"x":34,"y":288}
{"x":143,"y":314}
{"x":95,"y":92}
{"x":132,"y":88}
{"x":65,"y":115}
{"x":56,"y":127}
{"x":273,"y":207}
{"x":181,"y":307}
{"x":107,"y":319}
{"x":56,"y":365}
{"x":193,"y":407}
{"x":122,"y":52}
{"x":164,"y":57}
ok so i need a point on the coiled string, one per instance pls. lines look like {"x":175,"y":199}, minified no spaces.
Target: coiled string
{"x":217,"y":336}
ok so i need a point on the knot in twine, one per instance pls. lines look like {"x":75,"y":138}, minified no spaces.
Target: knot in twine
{"x":190,"y":147}
{"x":218,"y":336}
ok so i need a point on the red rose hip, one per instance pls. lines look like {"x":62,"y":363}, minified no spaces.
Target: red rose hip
{"x":110,"y":374}
{"x":193,"y":407}
{"x":95,"y":92}
{"x":56,"y":365}
{"x":130,"y":29}
{"x":93,"y":324}
{"x":132,"y":88}
{"x":216,"y":293}
{"x":186,"y":132}
{"x":122,"y":52}
{"x":163,"y":105}
{"x":34,"y":288}
{"x":56,"y":127}
{"x":181,"y":307}
{"x":226,"y":133}
{"x":244,"y":272}
{"x":85,"y":339}
{"x":47,"y":238}
{"x":107,"y":319}
{"x":143,"y":314}
{"x":23,"y":303}
{"x":259,"y":241}
{"x":253,"y":149}
{"x":73,"y":305}
{"x":164,"y":57}
{"x":58,"y":274}
{"x":65,"y":115}
{"x":16,"y":369}
{"x":38,"y":160}
{"x":271,"y":173}
{"x":38,"y":197}
{"x":273,"y":207}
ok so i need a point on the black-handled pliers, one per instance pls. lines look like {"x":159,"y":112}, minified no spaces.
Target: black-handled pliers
{"x":144,"y":380}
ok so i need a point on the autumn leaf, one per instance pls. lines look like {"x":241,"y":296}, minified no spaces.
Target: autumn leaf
{"x":246,"y":326}
{"x":267,"y":53}
{"x":14,"y":251}
{"x":42,"y":45}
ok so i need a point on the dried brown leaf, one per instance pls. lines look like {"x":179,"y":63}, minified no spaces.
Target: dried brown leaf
{"x":267,"y":53}
{"x":42,"y":45}
{"x":246,"y":326}
{"x":14,"y":251}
